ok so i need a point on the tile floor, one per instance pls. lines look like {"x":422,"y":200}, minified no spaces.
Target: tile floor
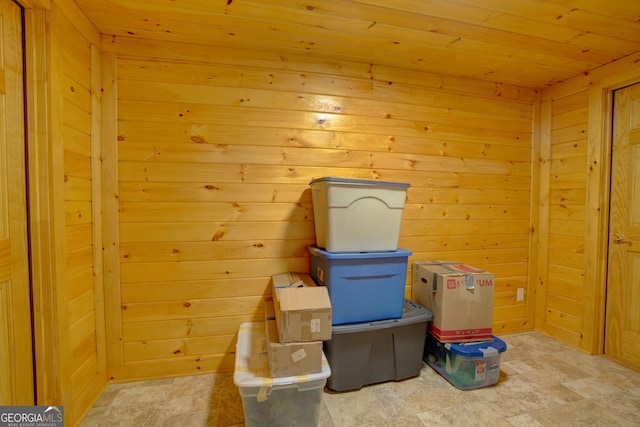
{"x":542,"y":383}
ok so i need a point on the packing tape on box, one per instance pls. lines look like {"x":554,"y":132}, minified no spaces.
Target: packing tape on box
{"x":263,"y":393}
{"x":468,"y":278}
{"x":295,"y":281}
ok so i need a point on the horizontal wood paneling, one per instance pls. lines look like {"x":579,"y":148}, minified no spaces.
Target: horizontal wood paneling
{"x":567,"y":214}
{"x":215,"y":156}
{"x":205,"y":270}
{"x":201,"y":289}
{"x":201,"y":251}
{"x":214,"y":231}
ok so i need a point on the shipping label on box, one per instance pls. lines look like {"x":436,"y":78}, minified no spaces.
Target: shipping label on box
{"x":289,"y":359}
{"x":302,"y":309}
{"x":460,"y":297}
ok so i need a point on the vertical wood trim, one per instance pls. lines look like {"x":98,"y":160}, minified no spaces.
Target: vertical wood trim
{"x":109,"y":141}
{"x":57,"y":203}
{"x":534,"y":229}
{"x":596,"y":218}
{"x":40,"y":165}
{"x":6,"y":389}
{"x":96,"y":208}
{"x":544,"y":171}
{"x":601,"y":83}
{"x":13,"y":233}
{"x":598,"y":198}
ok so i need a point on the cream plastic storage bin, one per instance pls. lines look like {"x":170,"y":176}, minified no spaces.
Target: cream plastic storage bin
{"x":354,"y":215}
{"x":266,"y":401}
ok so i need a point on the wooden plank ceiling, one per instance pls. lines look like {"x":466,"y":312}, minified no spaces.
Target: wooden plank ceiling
{"x":532,"y":43}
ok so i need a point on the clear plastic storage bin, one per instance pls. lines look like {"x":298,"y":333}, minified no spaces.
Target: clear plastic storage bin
{"x":266,"y":401}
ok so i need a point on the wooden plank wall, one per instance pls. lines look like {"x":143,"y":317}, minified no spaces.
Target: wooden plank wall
{"x":75,"y":92}
{"x":573,"y":228}
{"x":216,"y":148}
{"x":566,"y":158}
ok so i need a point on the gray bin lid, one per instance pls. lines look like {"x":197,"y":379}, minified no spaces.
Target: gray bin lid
{"x":360,"y":182}
{"x":363,"y":256}
{"x":411,"y":313}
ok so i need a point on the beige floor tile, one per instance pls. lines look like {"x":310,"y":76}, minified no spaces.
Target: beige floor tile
{"x":625,"y":404}
{"x":469,"y":415}
{"x":579,"y":414}
{"x":542,"y":383}
{"x":354,"y":408}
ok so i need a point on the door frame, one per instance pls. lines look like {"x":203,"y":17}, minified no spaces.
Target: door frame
{"x":44,"y":254}
{"x":600,"y":142}
{"x":599,"y":85}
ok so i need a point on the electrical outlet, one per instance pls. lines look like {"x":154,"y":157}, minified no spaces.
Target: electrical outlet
{"x":520,"y":294}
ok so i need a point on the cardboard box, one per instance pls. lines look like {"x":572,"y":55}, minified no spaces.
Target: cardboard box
{"x":460,"y":297}
{"x":289,"y":359}
{"x":302,"y":309}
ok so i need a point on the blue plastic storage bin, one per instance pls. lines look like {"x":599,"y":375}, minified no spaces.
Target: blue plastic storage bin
{"x":363,"y":287}
{"x":466,"y":365}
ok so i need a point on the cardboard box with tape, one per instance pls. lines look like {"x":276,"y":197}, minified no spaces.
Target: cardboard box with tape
{"x":302,"y":309}
{"x":291,"y":358}
{"x":460,"y":297}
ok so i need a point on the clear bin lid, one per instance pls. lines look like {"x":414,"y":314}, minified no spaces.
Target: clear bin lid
{"x":252,"y":364}
{"x":360,"y":182}
{"x":314,"y":250}
{"x":478,"y":349}
{"x":411,"y":313}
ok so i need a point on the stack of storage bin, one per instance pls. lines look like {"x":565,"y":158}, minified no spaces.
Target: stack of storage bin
{"x":459,"y":343}
{"x":280,"y":368}
{"x":266,"y":401}
{"x":357,"y":258}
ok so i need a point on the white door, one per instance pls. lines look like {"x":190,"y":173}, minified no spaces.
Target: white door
{"x":622,"y":330}
{"x":16,"y":362}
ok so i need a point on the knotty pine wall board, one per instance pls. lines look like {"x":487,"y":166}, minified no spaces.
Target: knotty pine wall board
{"x":61,"y":72}
{"x":78,"y":215}
{"x":562,"y":302}
{"x":567,"y":217}
{"x":215,"y":156}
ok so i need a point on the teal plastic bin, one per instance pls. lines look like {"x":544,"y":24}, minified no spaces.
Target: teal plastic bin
{"x":466,"y":365}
